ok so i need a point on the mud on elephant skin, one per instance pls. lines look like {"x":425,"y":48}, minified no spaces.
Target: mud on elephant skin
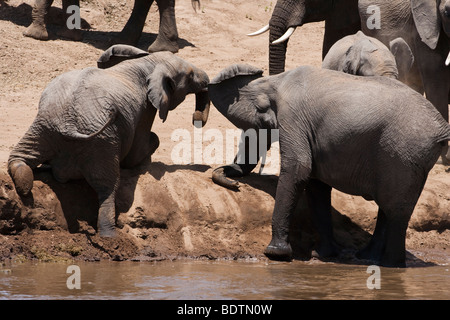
{"x":167,"y":39}
{"x":374,"y":152}
{"x":361,"y":55}
{"x":93,"y":121}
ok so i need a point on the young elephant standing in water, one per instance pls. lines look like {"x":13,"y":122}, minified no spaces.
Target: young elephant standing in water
{"x":368,"y":136}
{"x":91,"y":122}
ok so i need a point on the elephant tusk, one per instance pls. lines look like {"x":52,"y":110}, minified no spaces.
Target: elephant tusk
{"x":447,"y":62}
{"x":260,"y":31}
{"x":285,"y":36}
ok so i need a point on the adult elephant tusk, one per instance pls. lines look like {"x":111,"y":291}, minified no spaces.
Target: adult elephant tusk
{"x":447,"y":62}
{"x":285,"y":36}
{"x":260,"y":31}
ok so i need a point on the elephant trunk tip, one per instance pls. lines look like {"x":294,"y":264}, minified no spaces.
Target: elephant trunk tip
{"x":219,"y":177}
{"x":202,"y":106}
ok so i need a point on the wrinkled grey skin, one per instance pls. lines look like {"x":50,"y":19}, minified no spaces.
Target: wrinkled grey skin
{"x":167,"y":35}
{"x":93,"y":121}
{"x":378,"y":140}
{"x":361,"y":55}
{"x":341,"y":19}
{"x":425,"y":26}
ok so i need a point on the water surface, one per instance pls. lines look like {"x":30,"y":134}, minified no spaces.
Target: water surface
{"x":187,"y":280}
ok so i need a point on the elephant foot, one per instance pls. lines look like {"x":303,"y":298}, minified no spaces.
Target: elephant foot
{"x":36,"y":31}
{"x":161,"y":44}
{"x":22,"y":176}
{"x":279,"y":250}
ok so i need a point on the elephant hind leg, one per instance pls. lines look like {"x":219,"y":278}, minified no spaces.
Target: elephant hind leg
{"x":374,"y":249}
{"x":104,"y":178}
{"x":22,"y":176}
{"x":31,"y":151}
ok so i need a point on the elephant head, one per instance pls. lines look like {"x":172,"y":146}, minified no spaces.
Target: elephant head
{"x":341,"y":16}
{"x":168,"y":83}
{"x":361,"y":55}
{"x":236,"y":93}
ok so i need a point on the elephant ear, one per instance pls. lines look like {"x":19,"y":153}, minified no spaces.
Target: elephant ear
{"x":225,"y":93}
{"x":427,"y":20}
{"x":404,"y":58}
{"x":118,"y":53}
{"x":160,"y":88}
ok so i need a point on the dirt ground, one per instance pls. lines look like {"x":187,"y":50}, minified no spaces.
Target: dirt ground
{"x":168,"y":210}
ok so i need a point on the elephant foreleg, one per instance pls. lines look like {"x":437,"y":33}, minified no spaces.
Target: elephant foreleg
{"x":37,"y":29}
{"x":145,"y":142}
{"x":167,"y":39}
{"x":289,"y":189}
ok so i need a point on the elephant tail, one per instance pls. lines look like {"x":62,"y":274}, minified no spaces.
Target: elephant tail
{"x":72,"y":133}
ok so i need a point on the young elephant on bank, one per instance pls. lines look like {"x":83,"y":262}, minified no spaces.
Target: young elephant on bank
{"x":368,"y":136}
{"x":361,"y":55}
{"x":91,"y":122}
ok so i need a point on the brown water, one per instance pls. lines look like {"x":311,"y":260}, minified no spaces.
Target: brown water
{"x":185,"y":279}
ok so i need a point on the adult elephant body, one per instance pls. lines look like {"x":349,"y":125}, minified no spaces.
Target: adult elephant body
{"x":425,"y":26}
{"x":167,"y":36}
{"x":330,"y":137}
{"x":341,"y":19}
{"x":91,"y":122}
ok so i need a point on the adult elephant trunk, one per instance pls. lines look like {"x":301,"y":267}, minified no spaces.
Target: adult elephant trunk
{"x":277,"y":52}
{"x":286,"y":14}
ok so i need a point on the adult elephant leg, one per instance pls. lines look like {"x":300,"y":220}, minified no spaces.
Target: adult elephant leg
{"x":73,"y":34}
{"x":37,"y":29}
{"x":319,"y":201}
{"x":167,"y":39}
{"x":132,"y":31}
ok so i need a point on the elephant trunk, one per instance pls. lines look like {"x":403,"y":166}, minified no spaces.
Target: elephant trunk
{"x":286,"y":16}
{"x":277,"y":52}
{"x":202,"y":105}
